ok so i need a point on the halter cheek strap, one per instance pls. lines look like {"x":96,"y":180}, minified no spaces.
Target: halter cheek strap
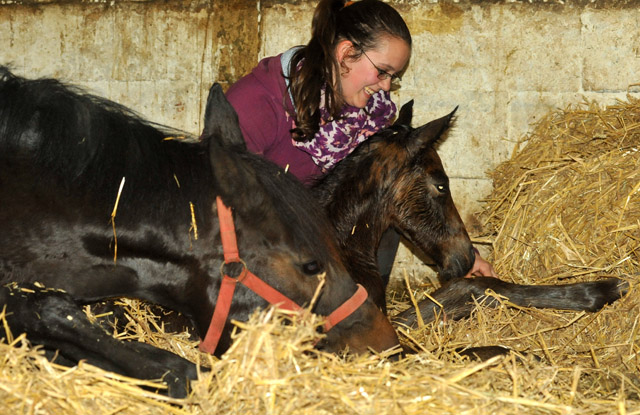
{"x":258,"y":286}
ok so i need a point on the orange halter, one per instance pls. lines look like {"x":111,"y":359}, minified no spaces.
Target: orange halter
{"x":258,"y":286}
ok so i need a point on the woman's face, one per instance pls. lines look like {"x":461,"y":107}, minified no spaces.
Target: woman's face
{"x":359,"y":79}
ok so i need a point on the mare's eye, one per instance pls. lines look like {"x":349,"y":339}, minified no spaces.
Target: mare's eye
{"x":312,"y":268}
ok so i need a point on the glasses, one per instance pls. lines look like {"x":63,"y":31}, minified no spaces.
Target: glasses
{"x":382,"y":74}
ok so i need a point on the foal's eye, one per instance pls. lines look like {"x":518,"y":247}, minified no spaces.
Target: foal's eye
{"x":312,"y":268}
{"x":441,"y":188}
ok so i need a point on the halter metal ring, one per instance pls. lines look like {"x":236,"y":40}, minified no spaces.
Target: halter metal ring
{"x":242,"y":273}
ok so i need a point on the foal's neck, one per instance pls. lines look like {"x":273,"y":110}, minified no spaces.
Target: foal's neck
{"x":360,"y":225}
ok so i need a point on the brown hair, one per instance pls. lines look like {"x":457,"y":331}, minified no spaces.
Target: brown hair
{"x":363,"y":23}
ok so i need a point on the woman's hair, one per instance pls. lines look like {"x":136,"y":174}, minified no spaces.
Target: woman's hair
{"x":362,"y":22}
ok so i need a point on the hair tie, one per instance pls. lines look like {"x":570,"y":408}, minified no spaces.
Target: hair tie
{"x":347,"y":4}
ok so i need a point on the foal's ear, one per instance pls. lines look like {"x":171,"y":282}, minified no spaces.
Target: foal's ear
{"x":406,"y":115}
{"x":431,"y":132}
{"x":221,"y":120}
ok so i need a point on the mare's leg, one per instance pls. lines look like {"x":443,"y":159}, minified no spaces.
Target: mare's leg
{"x":53,"y":319}
{"x":456,"y":297}
{"x":90,"y":283}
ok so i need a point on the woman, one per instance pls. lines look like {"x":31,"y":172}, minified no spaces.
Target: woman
{"x":309,"y":107}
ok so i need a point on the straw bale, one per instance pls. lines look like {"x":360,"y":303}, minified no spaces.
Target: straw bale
{"x":565,"y":208}
{"x":567,"y":205}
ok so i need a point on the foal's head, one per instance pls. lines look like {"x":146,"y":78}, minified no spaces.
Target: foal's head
{"x":422,"y":208}
{"x":396,"y":179}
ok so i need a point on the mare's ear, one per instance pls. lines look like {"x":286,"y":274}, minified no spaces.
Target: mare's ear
{"x":405,"y":115}
{"x":234,"y":177}
{"x":430,"y":133}
{"x":221,"y":120}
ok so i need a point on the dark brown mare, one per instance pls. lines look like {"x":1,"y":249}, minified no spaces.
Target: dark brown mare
{"x":396,"y":179}
{"x":98,"y":203}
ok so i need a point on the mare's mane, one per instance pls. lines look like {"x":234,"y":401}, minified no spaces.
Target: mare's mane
{"x":88,"y":144}
{"x":303,"y":218}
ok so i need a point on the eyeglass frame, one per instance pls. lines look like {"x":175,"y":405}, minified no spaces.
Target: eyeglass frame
{"x":382,"y":74}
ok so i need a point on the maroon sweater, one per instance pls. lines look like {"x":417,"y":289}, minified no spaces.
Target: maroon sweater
{"x":266,"y":116}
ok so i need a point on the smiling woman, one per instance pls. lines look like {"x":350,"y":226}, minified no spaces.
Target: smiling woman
{"x":309,"y":107}
{"x":366,"y":74}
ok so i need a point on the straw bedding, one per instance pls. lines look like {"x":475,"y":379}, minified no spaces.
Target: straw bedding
{"x":565,"y":208}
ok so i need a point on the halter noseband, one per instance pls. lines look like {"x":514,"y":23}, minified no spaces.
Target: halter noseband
{"x":258,"y":286}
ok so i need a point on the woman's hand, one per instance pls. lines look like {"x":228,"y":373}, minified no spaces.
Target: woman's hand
{"x":481,"y":268}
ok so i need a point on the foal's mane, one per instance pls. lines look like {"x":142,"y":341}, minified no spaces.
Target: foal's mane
{"x":354,"y":169}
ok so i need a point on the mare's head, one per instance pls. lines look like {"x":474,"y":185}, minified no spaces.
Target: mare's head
{"x":396,"y":179}
{"x":283,"y":234}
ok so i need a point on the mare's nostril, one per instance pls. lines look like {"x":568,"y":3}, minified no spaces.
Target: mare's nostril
{"x":322,"y":345}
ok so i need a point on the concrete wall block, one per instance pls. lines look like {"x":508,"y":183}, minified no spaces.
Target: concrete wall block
{"x":611,"y":49}
{"x":452,"y":49}
{"x":448,"y":62}
{"x":49,"y":36}
{"x":235,"y":30}
{"x":284,"y":26}
{"x":148,"y":47}
{"x":541,"y":49}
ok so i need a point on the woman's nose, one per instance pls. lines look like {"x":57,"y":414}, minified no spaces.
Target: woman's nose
{"x":385,"y":84}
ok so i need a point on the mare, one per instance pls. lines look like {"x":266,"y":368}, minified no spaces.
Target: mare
{"x":396,"y":179}
{"x":98,"y":203}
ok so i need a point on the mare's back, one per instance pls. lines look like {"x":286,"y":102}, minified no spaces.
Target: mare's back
{"x":55,"y":138}
{"x":67,"y":153}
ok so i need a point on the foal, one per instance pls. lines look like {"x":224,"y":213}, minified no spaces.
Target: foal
{"x":396,"y":179}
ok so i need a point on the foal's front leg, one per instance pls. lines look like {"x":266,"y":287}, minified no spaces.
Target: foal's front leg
{"x":456,"y":297}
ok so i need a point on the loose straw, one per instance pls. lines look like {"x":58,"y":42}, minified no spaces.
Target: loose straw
{"x":113,"y":222}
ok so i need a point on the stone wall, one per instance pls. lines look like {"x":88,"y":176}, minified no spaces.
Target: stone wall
{"x":503,"y":63}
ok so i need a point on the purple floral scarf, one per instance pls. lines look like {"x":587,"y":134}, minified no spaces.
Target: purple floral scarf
{"x":338,"y":138}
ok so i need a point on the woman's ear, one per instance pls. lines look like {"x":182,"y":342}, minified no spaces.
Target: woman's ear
{"x":344,"y":48}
